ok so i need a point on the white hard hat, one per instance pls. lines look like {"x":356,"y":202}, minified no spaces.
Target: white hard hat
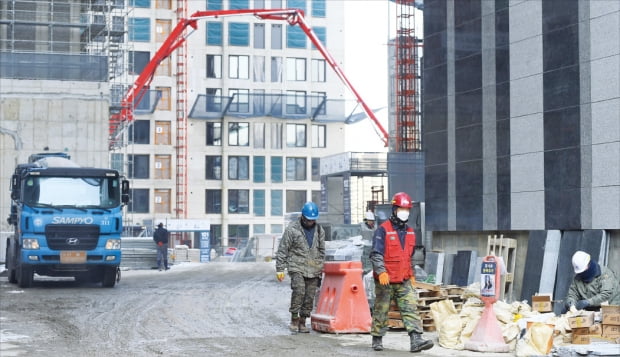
{"x":580,"y":261}
{"x":369,"y":216}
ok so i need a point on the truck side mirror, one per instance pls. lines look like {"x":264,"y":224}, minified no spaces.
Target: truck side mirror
{"x":125,"y":192}
{"x":15,"y":187}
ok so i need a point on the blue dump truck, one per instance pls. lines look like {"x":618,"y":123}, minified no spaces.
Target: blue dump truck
{"x":68,"y":221}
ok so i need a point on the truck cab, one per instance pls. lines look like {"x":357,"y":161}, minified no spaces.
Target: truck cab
{"x":67,"y":221}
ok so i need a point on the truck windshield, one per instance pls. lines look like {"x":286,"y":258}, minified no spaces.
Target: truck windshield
{"x":87,"y":192}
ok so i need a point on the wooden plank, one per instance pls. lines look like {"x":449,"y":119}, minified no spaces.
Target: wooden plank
{"x":427,"y":286}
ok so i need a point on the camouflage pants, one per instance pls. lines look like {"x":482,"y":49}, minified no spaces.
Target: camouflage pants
{"x":405,"y":296}
{"x":302,"y":297}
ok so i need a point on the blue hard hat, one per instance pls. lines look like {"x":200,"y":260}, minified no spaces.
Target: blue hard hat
{"x":310,"y":211}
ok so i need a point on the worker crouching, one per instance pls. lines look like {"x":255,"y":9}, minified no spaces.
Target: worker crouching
{"x":391,"y":256}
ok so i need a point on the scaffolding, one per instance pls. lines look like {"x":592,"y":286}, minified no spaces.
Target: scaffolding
{"x":181,"y":117}
{"x":406,"y":80}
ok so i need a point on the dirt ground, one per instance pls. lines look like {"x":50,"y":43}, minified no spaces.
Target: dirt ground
{"x":214,"y":309}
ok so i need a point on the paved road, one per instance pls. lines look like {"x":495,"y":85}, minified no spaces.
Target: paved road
{"x":214,"y":309}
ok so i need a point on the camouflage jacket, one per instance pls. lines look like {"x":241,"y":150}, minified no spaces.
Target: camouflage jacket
{"x":295,"y":255}
{"x":604,"y":287}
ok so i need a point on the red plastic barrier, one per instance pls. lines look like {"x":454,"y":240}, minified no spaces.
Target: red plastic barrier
{"x":342,"y":305}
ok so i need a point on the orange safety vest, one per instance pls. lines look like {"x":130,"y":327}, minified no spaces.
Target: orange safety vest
{"x":397,"y":260}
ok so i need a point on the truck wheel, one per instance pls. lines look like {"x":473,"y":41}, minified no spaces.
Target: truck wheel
{"x":10,"y":264}
{"x":109,"y":277}
{"x":25,"y":275}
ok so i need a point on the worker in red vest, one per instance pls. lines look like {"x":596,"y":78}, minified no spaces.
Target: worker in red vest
{"x":391,"y":256}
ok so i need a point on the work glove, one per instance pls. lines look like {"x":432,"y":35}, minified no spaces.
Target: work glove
{"x":581,"y":304}
{"x":412,"y":280}
{"x":160,"y":243}
{"x":280,"y":275}
{"x":384,"y":278}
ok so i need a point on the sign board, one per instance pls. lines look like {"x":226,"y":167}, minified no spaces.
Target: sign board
{"x":187,"y":225}
{"x":205,"y":247}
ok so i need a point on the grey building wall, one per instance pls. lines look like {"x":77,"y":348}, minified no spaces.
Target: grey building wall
{"x":521,"y":115}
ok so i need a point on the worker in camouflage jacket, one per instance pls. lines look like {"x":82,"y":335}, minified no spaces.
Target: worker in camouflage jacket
{"x":593,"y":284}
{"x":302,"y":253}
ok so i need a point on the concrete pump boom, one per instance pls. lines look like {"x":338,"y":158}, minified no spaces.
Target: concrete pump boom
{"x":176,"y":38}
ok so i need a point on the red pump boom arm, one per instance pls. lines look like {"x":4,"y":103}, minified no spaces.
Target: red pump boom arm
{"x":176,"y":39}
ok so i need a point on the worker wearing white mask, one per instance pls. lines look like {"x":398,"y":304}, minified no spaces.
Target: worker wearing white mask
{"x":393,"y":246}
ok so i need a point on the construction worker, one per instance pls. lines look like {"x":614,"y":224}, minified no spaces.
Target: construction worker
{"x":369,"y":221}
{"x":160,"y":236}
{"x":302,"y":252}
{"x":391,"y":256}
{"x":593,"y":284}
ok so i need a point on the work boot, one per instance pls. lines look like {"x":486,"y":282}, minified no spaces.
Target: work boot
{"x":377,"y":345}
{"x":418,"y":343}
{"x":294,"y":326}
{"x":302,"y":325}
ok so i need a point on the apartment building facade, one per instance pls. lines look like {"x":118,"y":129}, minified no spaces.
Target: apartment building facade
{"x":263,"y":108}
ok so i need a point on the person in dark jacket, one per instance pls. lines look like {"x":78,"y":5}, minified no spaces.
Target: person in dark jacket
{"x":302,"y":252}
{"x":593,"y":284}
{"x":393,"y":246}
{"x":161,"y":239}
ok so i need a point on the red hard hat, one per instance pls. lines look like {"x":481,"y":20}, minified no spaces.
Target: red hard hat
{"x":402,"y":199}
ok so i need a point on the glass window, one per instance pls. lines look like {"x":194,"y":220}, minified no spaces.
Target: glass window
{"x":138,"y":60}
{"x":164,"y":68}
{"x":316,"y":169}
{"x":259,"y":228}
{"x":318,"y":103}
{"x":276,"y":135}
{"x":213,"y":167}
{"x":239,"y":67}
{"x":259,"y":68}
{"x":276,"y":4}
{"x":238,"y":201}
{"x":321,"y":34}
{"x":296,"y":103}
{"x":276,"y":37}
{"x":295,"y":37}
{"x":241,"y":100}
{"x":214,"y":100}
{"x":295,"y":199}
{"x":296,"y":169}
{"x":239,"y":4}
{"x":238,"y":134}
{"x":138,"y":200}
{"x":318,"y":70}
{"x":259,"y":35}
{"x":238,"y":234}
{"x":140,"y":3}
{"x":259,"y":203}
{"x":295,"y":135}
{"x":214,"y":134}
{"x":276,"y":169}
{"x":277,"y":228}
{"x":214,"y":34}
{"x":259,"y":135}
{"x":296,"y":4}
{"x":238,"y":167}
{"x":259,"y":4}
{"x":318,"y":136}
{"x":118,"y":163}
{"x":316,"y":196}
{"x":213,"y":199}
{"x":163,"y":4}
{"x":139,"y":132}
{"x":215,"y":5}
{"x":318,"y":8}
{"x":296,"y":69}
{"x":259,"y":169}
{"x":138,"y":166}
{"x":276,"y":69}
{"x":214,"y":66}
{"x":238,"y":34}
{"x":162,"y":132}
{"x":139,"y":29}
{"x":276,"y":203}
